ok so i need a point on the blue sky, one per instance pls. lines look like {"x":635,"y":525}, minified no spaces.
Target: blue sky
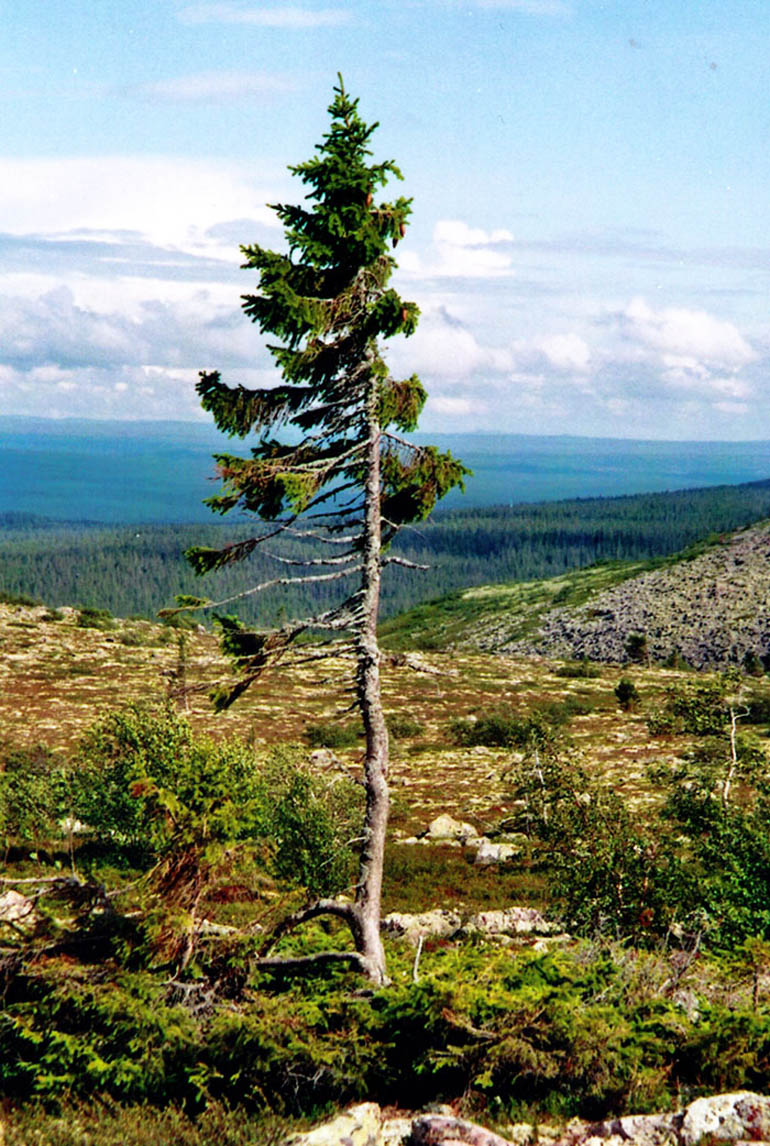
{"x":589,"y":241}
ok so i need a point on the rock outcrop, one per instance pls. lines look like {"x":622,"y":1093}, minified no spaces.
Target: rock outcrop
{"x":444,"y":924}
{"x":712,"y":610}
{"x":742,"y":1117}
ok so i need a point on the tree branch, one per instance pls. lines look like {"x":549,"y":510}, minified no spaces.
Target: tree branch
{"x":340,"y":909}
{"x":407,"y":564}
{"x":291,"y":963}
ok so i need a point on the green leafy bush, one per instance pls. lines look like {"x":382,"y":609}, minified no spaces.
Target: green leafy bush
{"x":606,"y":873}
{"x":330,"y":734}
{"x":403,"y":727}
{"x":147,"y":784}
{"x":311,"y":823}
{"x":700,"y":709}
{"x":505,"y":728}
{"x":91,"y":618}
{"x":34,"y":796}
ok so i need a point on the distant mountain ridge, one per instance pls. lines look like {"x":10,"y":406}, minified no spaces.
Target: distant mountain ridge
{"x":126,"y":473}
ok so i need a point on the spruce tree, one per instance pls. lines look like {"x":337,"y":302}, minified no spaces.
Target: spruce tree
{"x":343,"y":476}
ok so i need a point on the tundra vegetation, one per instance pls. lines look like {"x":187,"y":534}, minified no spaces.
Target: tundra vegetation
{"x":148,"y":852}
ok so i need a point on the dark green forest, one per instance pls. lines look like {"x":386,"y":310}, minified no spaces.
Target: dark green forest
{"x":136,"y":570}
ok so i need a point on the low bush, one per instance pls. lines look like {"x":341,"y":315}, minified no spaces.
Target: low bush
{"x":7,"y":598}
{"x":106,"y":1123}
{"x":579,"y":670}
{"x":35,"y":796}
{"x":507,"y":728}
{"x":627,"y":694}
{"x":403,"y":727}
{"x":91,"y":618}
{"x":330,"y":734}
{"x":146,"y":784}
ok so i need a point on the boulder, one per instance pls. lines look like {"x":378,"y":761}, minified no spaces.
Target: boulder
{"x":511,"y":921}
{"x":489,"y":853}
{"x":395,"y":1131}
{"x":359,"y":1126}
{"x":446,"y":1130}
{"x":638,"y":1129}
{"x":444,"y":924}
{"x":439,"y":924}
{"x":446,"y":827}
{"x":727,"y":1117}
{"x":17,"y":910}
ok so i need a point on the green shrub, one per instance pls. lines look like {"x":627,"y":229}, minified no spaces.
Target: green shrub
{"x":403,"y":727}
{"x":637,"y":649}
{"x":757,"y":701}
{"x":752,"y":664}
{"x":34,"y":796}
{"x":311,"y":822}
{"x":605,"y":872}
{"x":675,"y":660}
{"x":18,"y":599}
{"x":700,"y":709}
{"x":92,"y":618}
{"x":330,"y":734}
{"x":133,"y":639}
{"x":627,"y":694}
{"x":105,"y":1123}
{"x":505,"y":728}
{"x":579,"y":670}
{"x":149,"y":786}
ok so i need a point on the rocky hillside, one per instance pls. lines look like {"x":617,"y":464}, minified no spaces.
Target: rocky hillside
{"x":712,"y":609}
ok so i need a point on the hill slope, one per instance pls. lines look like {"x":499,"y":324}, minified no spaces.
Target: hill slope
{"x":710,"y":605}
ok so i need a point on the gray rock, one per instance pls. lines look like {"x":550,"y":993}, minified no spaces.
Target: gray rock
{"x":17,"y":910}
{"x":511,"y":921}
{"x":521,"y":1134}
{"x":396,"y":1132}
{"x":489,"y":853}
{"x":446,"y":827}
{"x":359,"y":1126}
{"x":439,"y":923}
{"x":727,"y":1117}
{"x":446,"y":1130}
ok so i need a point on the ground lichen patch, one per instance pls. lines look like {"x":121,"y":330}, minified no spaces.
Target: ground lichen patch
{"x":59,"y":678}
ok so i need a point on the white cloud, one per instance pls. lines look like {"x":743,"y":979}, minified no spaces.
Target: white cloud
{"x":454,"y":407}
{"x":731,"y":408}
{"x":215,"y":87}
{"x":53,"y":333}
{"x":169,"y":201}
{"x":276,"y":17}
{"x":460,"y":251}
{"x":566,"y":351}
{"x":459,"y":234}
{"x":445,"y":350}
{"x":687,"y":337}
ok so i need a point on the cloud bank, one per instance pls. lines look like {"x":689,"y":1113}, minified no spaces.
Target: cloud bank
{"x":120,"y":280}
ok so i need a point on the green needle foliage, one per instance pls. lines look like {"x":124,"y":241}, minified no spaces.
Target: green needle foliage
{"x":329,"y":448}
{"x":327,"y":301}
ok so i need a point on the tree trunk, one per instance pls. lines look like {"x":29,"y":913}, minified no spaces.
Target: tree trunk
{"x":369,"y":887}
